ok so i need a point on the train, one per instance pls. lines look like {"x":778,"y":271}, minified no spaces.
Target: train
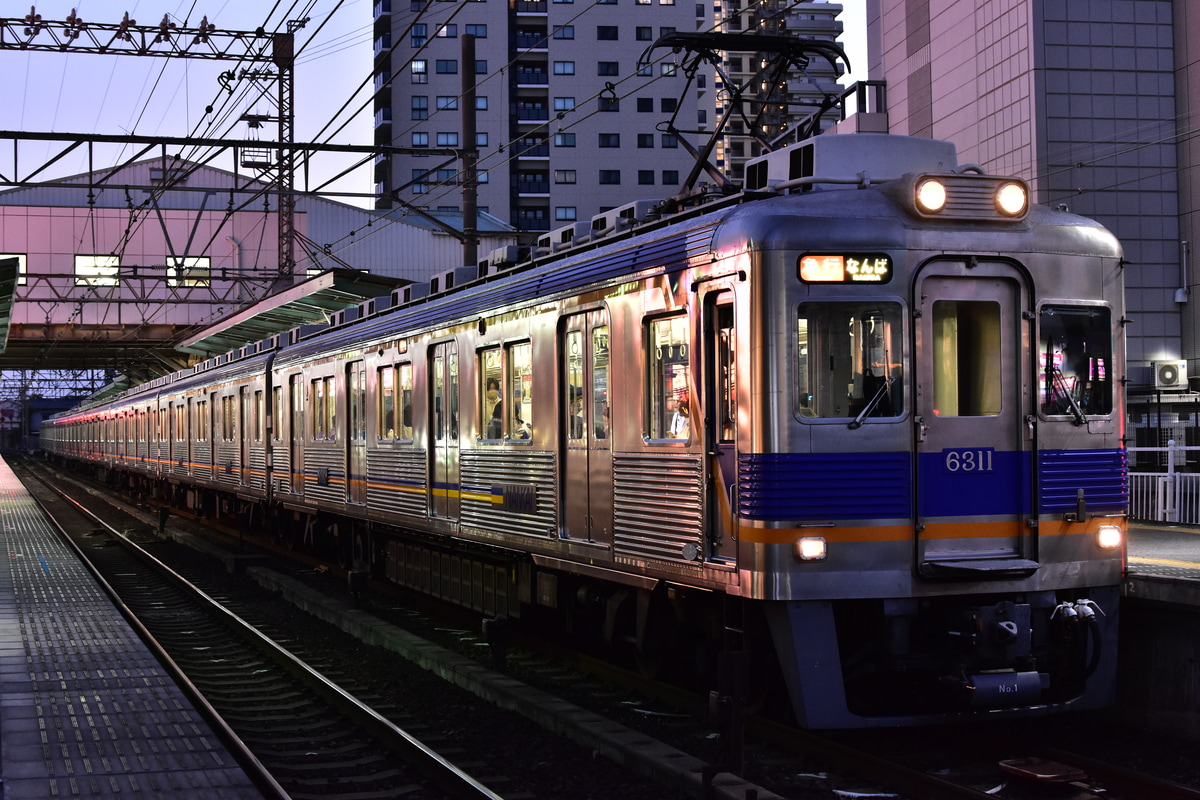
{"x":855,"y":429}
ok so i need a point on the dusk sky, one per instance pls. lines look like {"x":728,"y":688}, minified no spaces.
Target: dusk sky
{"x":153,"y":96}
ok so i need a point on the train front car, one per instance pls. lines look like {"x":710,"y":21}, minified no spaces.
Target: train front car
{"x":931,"y":498}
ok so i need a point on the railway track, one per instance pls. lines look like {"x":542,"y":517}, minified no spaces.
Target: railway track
{"x":800,"y":766}
{"x":311,"y":736}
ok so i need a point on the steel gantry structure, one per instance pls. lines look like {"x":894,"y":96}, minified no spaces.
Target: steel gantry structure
{"x":32,"y":33}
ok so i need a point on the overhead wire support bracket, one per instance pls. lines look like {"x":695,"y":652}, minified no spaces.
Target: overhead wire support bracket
{"x":782,"y":53}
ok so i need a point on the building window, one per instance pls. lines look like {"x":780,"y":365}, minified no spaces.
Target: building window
{"x":564,"y":32}
{"x":420,"y":107}
{"x":481,"y":103}
{"x":670,"y":177}
{"x":565,"y":213}
{"x":447,"y":66}
{"x":608,"y":104}
{"x":644,"y":33}
{"x":606,"y":33}
{"x":645,"y":177}
{"x":564,"y":103}
{"x":564,"y":140}
{"x":668,"y":104}
{"x":420,"y":139}
{"x":610,"y":177}
{"x":481,"y":67}
{"x":420,"y":34}
{"x":645,"y":140}
{"x":447,"y":103}
{"x":564,"y":176}
{"x":669,"y":141}
{"x":20,"y":257}
{"x":420,"y":70}
{"x":96,"y":270}
{"x":645,"y":104}
{"x":610,"y":140}
{"x":608,"y":68}
{"x":478,"y":31}
{"x":447,"y":139}
{"x":481,"y":140}
{"x":448,"y":32}
{"x":564,"y":67}
{"x":419,"y":186}
{"x":668,"y":70}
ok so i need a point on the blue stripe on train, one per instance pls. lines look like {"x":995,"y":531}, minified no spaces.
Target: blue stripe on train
{"x":830,"y":486}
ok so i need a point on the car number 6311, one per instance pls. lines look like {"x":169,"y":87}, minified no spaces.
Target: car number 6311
{"x":975,"y":459}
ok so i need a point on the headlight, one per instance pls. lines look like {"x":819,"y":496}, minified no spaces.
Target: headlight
{"x":811,"y":548}
{"x":1011,"y":199}
{"x":1109,"y":537}
{"x":931,"y":195}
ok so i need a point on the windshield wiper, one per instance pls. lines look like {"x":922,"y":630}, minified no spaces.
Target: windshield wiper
{"x":870,"y":406}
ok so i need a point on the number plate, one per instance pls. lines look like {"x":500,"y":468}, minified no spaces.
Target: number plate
{"x":968,"y":459}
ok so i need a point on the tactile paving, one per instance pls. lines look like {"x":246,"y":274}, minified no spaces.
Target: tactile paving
{"x":85,"y":708}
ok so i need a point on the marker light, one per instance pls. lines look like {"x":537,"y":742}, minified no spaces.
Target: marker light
{"x":931,"y":195}
{"x":1011,"y":199}
{"x":1108,"y":537}
{"x":811,"y":548}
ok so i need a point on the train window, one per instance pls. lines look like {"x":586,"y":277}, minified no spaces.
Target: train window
{"x":275,"y":422}
{"x":1075,"y":355}
{"x":519,"y":390}
{"x":259,"y":414}
{"x":967,"y":366}
{"x":849,"y":360}
{"x":228,"y":416}
{"x":574,"y":388}
{"x":323,"y":404}
{"x":669,"y":415}
{"x":202,"y":421}
{"x":395,"y":391}
{"x":600,"y":410}
{"x":491,"y":404}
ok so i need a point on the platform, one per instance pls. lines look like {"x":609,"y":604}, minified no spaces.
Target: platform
{"x":86,"y":710}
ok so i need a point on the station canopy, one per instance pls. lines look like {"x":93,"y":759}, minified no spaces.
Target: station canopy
{"x":313,"y":301}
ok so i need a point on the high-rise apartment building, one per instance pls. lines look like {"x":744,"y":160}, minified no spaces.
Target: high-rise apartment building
{"x":574,"y":113}
{"x":1082,"y":100}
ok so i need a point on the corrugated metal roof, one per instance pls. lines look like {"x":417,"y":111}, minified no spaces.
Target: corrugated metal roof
{"x":313,"y":301}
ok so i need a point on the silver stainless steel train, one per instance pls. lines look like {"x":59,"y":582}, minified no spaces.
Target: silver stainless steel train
{"x":862,"y":420}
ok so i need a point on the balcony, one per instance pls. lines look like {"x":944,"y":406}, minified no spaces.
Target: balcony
{"x":532,"y":187}
{"x":529,"y":7}
{"x":531,"y":41}
{"x":533,"y":114}
{"x":383,"y":8}
{"x":532,"y":148}
{"x":532,"y":77}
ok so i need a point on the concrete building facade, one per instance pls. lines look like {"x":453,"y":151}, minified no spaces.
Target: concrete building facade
{"x":1090,"y":103}
{"x":575,"y":114}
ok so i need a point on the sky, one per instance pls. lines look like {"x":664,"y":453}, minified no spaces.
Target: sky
{"x":148,"y":96}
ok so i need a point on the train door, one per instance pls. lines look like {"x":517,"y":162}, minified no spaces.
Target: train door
{"x":189,"y":415}
{"x":244,"y":433}
{"x":586,"y":487}
{"x":972,"y":437}
{"x":356,"y":436}
{"x":720,"y":408}
{"x":296,"y":432}
{"x":443,"y":430}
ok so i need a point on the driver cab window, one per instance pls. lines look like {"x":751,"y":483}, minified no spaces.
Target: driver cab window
{"x":1075,"y":354}
{"x":849,"y":360}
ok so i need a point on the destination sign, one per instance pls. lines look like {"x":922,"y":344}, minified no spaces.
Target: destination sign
{"x":845,"y":268}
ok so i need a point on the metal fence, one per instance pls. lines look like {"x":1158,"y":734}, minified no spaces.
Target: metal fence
{"x":1171,"y":496}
